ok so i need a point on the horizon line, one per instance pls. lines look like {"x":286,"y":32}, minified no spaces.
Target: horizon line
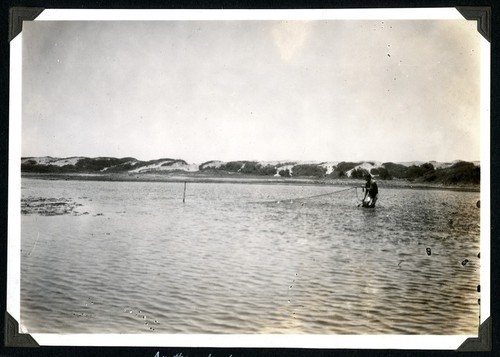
{"x":247,"y":160}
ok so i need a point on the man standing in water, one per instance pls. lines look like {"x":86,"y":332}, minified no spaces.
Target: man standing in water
{"x":371,"y":190}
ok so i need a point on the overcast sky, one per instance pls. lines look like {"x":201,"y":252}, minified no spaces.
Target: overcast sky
{"x":252,"y":90}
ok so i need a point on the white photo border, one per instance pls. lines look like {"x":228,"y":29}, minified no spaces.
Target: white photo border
{"x":264,"y":341}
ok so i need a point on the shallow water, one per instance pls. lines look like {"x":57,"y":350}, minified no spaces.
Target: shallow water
{"x":132,"y":258}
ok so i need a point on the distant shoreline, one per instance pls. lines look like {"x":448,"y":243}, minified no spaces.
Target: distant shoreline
{"x":243,"y":179}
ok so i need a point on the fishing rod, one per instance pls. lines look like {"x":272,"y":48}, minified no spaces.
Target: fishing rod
{"x":313,"y":196}
{"x":359,"y":199}
{"x":325,"y":194}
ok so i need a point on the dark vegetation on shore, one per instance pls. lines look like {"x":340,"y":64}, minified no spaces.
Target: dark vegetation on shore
{"x":460,"y":172}
{"x":94,"y":165}
{"x":457,"y":173}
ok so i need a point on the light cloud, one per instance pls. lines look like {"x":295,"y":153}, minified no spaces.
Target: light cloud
{"x":290,"y":37}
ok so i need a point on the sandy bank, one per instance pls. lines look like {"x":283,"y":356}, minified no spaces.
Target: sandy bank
{"x":246,"y":179}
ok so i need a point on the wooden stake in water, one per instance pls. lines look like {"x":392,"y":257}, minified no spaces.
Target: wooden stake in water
{"x":184,"y":195}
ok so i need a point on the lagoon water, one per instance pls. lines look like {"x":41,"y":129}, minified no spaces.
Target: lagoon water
{"x":132,"y":258}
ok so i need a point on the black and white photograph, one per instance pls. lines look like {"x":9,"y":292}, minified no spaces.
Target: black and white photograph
{"x":274,"y":176}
